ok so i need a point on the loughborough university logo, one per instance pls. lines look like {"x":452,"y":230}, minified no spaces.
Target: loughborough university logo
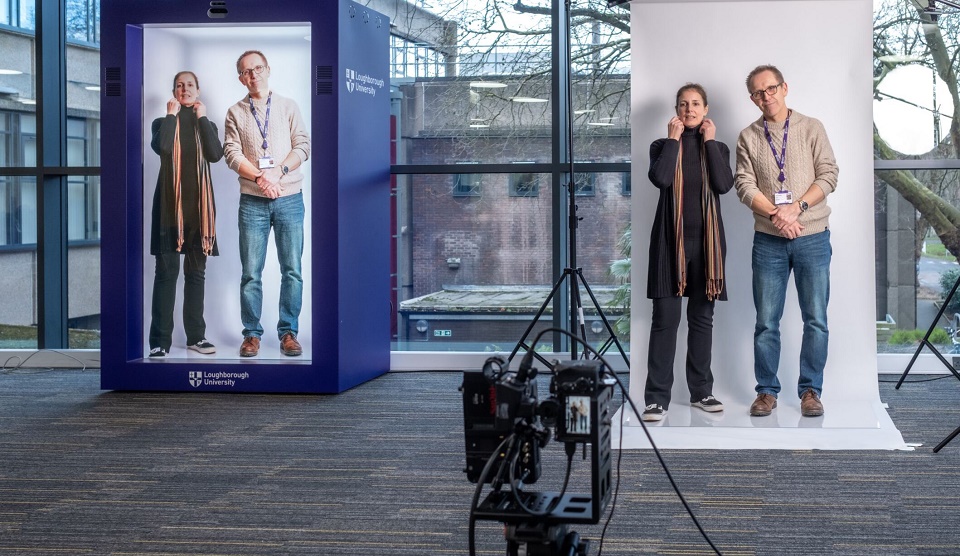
{"x":196,"y":378}
{"x":362,"y":83}
{"x":351,"y":80}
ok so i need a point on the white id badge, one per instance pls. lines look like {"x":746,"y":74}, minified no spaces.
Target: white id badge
{"x":783,"y":197}
{"x":266,"y":162}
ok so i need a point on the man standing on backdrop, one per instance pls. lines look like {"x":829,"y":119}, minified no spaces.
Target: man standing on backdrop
{"x":265,"y":142}
{"x":785,"y":170}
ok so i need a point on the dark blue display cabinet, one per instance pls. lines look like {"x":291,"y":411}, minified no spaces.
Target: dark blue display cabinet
{"x":331,"y":58}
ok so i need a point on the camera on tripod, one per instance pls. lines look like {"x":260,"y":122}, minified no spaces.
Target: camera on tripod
{"x":505,"y":428}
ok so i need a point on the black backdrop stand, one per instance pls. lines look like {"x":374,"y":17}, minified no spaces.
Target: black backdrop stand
{"x":572,"y":275}
{"x":926,"y":339}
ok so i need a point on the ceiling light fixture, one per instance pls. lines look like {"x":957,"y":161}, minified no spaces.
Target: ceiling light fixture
{"x":528,"y":99}
{"x":10,"y":72}
{"x":487,"y":85}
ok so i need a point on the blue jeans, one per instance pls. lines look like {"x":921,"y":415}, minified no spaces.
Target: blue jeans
{"x":773,"y":259}
{"x":257,"y":215}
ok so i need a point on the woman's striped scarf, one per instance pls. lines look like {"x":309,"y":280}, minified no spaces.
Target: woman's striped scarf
{"x":712,"y":249}
{"x":208,"y":215}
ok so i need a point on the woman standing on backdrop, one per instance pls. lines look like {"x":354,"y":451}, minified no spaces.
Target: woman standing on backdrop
{"x":687,"y":250}
{"x":184,"y":214}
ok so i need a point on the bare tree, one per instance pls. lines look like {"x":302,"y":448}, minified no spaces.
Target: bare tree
{"x":903,"y":31}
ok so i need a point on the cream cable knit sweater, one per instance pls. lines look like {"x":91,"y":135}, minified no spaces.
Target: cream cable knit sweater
{"x":287,"y":132}
{"x":810,"y":163}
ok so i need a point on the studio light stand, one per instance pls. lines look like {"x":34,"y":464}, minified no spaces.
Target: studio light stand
{"x":926,"y":342}
{"x":571,"y":275}
{"x":926,"y":339}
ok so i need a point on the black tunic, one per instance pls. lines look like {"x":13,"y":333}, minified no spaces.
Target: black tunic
{"x":662,"y":272}
{"x":163,"y":230}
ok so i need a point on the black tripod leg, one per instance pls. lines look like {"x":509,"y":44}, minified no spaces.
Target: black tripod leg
{"x":536,"y":318}
{"x":926,"y":337}
{"x":606,"y":323}
{"x":947,"y":440}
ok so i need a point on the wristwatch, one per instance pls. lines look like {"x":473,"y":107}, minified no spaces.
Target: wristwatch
{"x":285,"y":170}
{"x":803,"y":205}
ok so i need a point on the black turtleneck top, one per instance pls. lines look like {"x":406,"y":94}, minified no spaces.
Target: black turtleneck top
{"x":663,"y":163}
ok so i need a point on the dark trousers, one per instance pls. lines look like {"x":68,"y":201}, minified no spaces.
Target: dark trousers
{"x":165,"y":296}
{"x":663,"y":336}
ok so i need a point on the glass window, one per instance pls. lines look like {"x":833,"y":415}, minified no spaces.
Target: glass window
{"x":913,"y":107}
{"x":585,"y":184}
{"x":83,"y":21}
{"x":916,"y":258}
{"x":475,"y":273}
{"x":470,"y":87}
{"x":467,"y":185}
{"x":526,"y":184}
{"x":18,"y":258}
{"x":17,"y":13}
{"x":626,"y":186}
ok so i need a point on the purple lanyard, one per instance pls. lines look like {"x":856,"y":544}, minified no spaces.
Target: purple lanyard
{"x":783,"y":152}
{"x":266,"y":121}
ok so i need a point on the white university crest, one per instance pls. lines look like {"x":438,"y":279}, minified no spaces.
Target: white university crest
{"x":351,"y":75}
{"x":196,"y":378}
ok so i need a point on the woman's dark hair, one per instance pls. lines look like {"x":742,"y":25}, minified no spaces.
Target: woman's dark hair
{"x":692,"y":87}
{"x":179,"y":73}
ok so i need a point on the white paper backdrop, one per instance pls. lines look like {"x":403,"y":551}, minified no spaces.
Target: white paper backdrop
{"x":824,"y":51}
{"x":211,"y":53}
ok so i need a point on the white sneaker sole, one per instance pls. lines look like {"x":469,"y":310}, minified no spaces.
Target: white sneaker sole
{"x":709,"y":408}
{"x":205,"y":351}
{"x":652,"y":418}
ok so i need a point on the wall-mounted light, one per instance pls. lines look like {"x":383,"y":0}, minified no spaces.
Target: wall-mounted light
{"x":422,"y":326}
{"x":596,"y":327}
{"x":453,"y":263}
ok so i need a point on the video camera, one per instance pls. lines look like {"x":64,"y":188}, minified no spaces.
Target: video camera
{"x":505,"y":429}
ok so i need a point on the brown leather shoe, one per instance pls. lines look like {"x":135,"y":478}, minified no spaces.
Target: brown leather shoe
{"x":810,"y":405}
{"x":289,"y":345}
{"x":763,"y":405}
{"x":250,"y":346}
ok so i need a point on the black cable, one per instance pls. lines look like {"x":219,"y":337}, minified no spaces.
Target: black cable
{"x":471,"y":540}
{"x":515,"y":486}
{"x":616,"y":488}
{"x":911,"y":381}
{"x":21,"y":362}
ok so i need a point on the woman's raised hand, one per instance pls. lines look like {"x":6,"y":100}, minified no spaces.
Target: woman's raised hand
{"x":675,"y":128}
{"x":708,"y":130}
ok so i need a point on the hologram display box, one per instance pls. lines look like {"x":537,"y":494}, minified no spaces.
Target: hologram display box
{"x":331,"y":58}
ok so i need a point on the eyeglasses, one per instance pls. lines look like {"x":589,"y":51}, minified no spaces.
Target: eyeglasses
{"x":758,"y":95}
{"x":255,"y":70}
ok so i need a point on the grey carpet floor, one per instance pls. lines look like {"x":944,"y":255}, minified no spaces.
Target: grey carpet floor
{"x":377,"y":470}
